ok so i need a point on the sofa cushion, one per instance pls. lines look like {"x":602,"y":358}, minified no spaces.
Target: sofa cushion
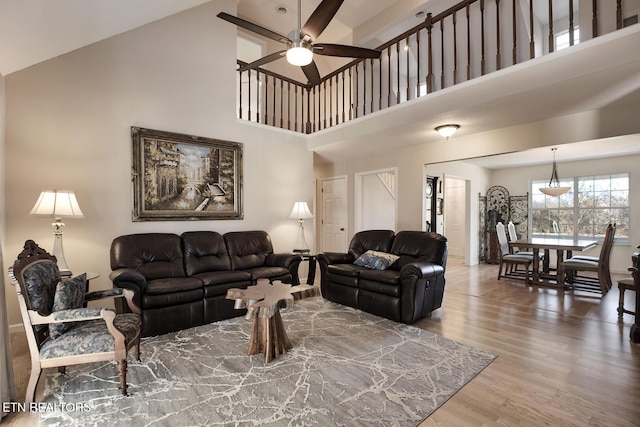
{"x":166,"y":286}
{"x":350,"y":270}
{"x":205,"y":251}
{"x":268,"y":272}
{"x":390,"y":277}
{"x":214,"y":278}
{"x":174,"y":298}
{"x":377,"y":240}
{"x":154,"y":255}
{"x":248,"y":249}
{"x":412,"y":246}
{"x":376,"y":260}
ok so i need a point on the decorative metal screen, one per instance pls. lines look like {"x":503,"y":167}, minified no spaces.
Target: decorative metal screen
{"x":499,"y":206}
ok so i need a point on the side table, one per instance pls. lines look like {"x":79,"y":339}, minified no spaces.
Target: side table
{"x":312,"y":260}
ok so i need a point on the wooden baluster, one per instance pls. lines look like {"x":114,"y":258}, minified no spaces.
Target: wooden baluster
{"x":249,"y":94}
{"x":257,"y":96}
{"x":240,"y":89}
{"x":514,"y":58}
{"x":380,"y":83}
{"x":350,"y":94}
{"x":330,"y":101}
{"x":289,"y":105}
{"x":619,"y":14}
{"x":398,"y":73}
{"x":498,"y":53}
{"x":442,"y":53}
{"x":551,"y":40}
{"x":429,"y":78}
{"x":418,"y":63}
{"x":594,"y":19}
{"x":316,"y":124}
{"x":469,"y":42}
{"x":281,"y":104}
{"x":266,"y":97}
{"x":344,"y":95}
{"x":364,"y":87}
{"x":357,"y":92}
{"x":407,"y":48}
{"x":571,"y":27}
{"x":371,"y":63}
{"x":532,"y":43}
{"x":389,"y":76}
{"x":308,"y":110}
{"x":295,"y":120}
{"x":455,"y":48}
{"x":324,"y":101}
{"x":482,"y":55}
{"x":273,"y":114}
{"x":337,"y":101}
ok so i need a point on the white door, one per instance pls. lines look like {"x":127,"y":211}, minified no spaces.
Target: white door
{"x":334,"y":215}
{"x":454,"y":215}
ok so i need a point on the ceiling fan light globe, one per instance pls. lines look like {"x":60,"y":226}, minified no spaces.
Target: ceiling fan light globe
{"x":298,"y":55}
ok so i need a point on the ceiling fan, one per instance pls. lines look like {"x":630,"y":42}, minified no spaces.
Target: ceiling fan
{"x":300,"y":42}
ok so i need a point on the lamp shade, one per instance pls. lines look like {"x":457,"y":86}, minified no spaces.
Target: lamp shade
{"x":300,"y":211}
{"x":554,"y":189}
{"x":57,"y":204}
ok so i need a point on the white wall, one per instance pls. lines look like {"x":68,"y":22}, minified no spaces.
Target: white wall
{"x":68,"y":127}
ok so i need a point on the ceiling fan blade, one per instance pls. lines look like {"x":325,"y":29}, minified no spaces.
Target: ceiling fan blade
{"x":263,"y":60}
{"x":312,"y":73}
{"x":321,"y":17}
{"x":254,"y":28}
{"x":345,"y":51}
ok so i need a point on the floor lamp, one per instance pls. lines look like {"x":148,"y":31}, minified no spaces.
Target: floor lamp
{"x":58,"y":204}
{"x":301,"y":212}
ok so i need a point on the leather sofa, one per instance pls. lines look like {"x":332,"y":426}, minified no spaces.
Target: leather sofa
{"x":181,"y":281}
{"x":409,"y":289}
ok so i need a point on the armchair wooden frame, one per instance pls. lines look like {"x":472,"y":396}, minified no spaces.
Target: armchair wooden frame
{"x":37,"y":332}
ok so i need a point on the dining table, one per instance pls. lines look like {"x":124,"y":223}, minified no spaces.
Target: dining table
{"x":562,"y":246}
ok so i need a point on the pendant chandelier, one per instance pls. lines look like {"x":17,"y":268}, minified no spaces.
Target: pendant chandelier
{"x":554,"y":188}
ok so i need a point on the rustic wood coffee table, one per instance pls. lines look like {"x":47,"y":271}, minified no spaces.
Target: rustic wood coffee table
{"x":263,"y":302}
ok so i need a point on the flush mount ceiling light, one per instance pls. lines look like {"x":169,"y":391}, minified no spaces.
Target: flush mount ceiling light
{"x":554,"y":188}
{"x":447,"y":131}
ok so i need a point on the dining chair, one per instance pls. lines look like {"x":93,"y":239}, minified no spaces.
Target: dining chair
{"x":61,"y":331}
{"x":508,"y":260}
{"x":600,"y":278}
{"x":513,"y":236}
{"x":627,"y":284}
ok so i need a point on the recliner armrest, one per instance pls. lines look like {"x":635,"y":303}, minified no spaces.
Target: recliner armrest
{"x":327,"y":258}
{"x":128,"y":278}
{"x":421,"y":270}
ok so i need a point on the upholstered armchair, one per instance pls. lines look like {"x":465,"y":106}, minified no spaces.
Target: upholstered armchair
{"x":61,"y":330}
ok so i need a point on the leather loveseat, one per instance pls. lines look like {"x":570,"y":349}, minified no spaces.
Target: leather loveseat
{"x":182,"y":281}
{"x":409,"y":289}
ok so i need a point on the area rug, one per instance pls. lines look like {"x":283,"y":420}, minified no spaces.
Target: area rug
{"x":347,"y":368}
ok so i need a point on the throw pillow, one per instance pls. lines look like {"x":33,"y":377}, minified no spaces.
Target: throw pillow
{"x":376,"y":260}
{"x":69,"y":295}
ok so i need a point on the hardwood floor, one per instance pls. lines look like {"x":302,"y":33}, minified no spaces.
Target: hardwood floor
{"x":564,"y":359}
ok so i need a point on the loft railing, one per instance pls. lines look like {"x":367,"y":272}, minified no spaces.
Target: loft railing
{"x":468,"y":40}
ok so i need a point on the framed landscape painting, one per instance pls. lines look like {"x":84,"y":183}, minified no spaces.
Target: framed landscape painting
{"x":185,"y":177}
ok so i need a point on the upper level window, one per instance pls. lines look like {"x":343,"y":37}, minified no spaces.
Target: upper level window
{"x":562,"y":39}
{"x":585,"y":211}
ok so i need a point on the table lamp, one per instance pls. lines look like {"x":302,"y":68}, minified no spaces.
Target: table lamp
{"x":301,"y":212}
{"x":58,"y":204}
